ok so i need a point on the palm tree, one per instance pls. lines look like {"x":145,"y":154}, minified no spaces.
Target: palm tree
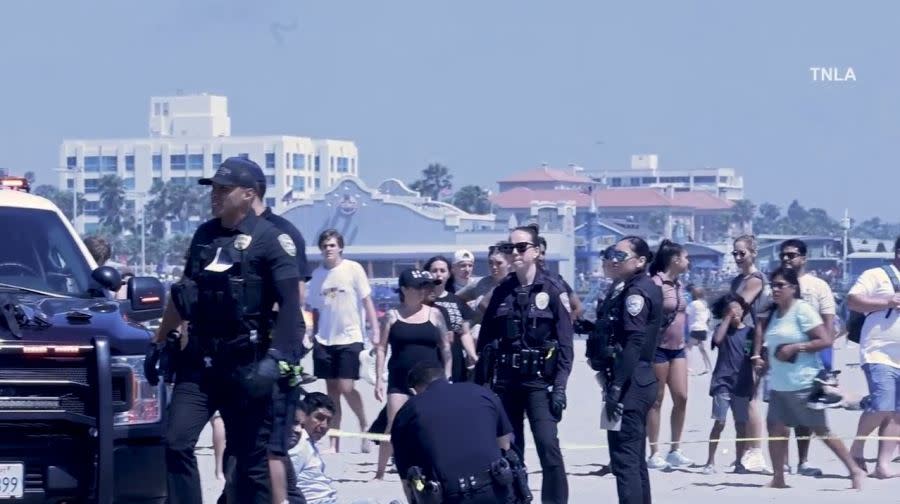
{"x":436,"y":181}
{"x":112,"y":205}
{"x":742,"y":214}
{"x":62,"y":199}
{"x":175,"y":202}
{"x":472,"y":199}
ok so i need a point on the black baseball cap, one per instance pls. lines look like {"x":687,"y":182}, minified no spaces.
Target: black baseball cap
{"x":416,"y":278}
{"x":238,"y":172}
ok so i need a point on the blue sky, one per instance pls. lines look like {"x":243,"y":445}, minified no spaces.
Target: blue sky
{"x":486,"y":87}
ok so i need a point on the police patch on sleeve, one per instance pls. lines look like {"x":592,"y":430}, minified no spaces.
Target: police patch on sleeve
{"x":287,"y":244}
{"x":564,"y":300}
{"x":634,"y":304}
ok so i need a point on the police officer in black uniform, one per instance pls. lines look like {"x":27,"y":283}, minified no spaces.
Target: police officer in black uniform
{"x":622,"y":349}
{"x":238,"y":267}
{"x":452,"y":443}
{"x":525,"y":354}
{"x":287,"y":398}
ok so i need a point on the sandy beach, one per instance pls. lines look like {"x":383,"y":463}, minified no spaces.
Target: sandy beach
{"x":582,"y":440}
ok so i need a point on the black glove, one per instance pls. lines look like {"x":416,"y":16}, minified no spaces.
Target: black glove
{"x":581,"y":326}
{"x":614,"y":408}
{"x":557,"y":403}
{"x":261,"y":377}
{"x":151,"y":358}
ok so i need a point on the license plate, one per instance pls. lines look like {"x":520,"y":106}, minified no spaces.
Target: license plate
{"x":12,"y":481}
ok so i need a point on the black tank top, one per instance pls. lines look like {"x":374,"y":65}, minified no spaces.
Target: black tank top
{"x":412,"y":343}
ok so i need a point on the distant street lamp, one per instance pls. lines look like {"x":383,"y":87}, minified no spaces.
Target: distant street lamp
{"x":845,"y":225}
{"x":76,"y":170}
{"x":140,"y":196}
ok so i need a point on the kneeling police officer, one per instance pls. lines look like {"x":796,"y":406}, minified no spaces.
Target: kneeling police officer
{"x":621,"y":348}
{"x":238,"y":266}
{"x":452,"y":444}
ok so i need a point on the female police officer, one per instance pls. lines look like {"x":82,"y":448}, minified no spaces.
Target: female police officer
{"x":525,"y":348}
{"x":634,"y":321}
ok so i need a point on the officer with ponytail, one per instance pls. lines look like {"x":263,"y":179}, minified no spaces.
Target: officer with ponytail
{"x":630,"y":387}
{"x":525,"y":354}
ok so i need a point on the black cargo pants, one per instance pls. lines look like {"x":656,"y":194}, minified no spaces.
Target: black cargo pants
{"x":520,"y":400}
{"x":627,"y":446}
{"x":200,"y":390}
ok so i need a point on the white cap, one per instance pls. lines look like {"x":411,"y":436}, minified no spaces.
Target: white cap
{"x":463,"y":255}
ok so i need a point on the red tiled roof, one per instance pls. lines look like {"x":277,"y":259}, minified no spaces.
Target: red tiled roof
{"x":545,"y":174}
{"x":701,"y":200}
{"x":522,"y":197}
{"x":609,"y":198}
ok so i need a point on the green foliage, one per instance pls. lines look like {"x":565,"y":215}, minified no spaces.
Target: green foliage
{"x":62,"y":199}
{"x":472,"y":199}
{"x":436,"y":182}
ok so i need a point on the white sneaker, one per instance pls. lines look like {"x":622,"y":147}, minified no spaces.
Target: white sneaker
{"x":709,"y":469}
{"x":754,"y":461}
{"x":656,"y":462}
{"x":677,"y":459}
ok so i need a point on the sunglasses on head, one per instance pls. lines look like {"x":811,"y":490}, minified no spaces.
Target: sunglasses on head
{"x":739,"y":253}
{"x":616,"y":256}
{"x":789,"y":256}
{"x":520,"y":247}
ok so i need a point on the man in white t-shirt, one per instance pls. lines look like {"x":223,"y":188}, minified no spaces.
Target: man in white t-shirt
{"x":818,"y":294}
{"x":875,"y":295}
{"x":341,"y":299}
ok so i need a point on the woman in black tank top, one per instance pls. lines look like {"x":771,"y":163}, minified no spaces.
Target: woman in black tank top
{"x":416,"y":332}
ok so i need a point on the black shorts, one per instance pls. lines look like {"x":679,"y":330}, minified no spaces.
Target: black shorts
{"x":698,"y":335}
{"x":331,"y":362}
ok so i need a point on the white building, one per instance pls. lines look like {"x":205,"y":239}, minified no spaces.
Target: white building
{"x":189,"y":138}
{"x":645,"y":172}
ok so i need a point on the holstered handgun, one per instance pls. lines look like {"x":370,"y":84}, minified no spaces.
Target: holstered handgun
{"x":424,"y":491}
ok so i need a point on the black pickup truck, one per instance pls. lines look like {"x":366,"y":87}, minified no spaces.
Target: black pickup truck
{"x":78,"y":421}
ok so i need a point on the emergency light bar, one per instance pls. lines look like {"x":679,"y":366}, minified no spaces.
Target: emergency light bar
{"x":43,"y":349}
{"x":15,"y":184}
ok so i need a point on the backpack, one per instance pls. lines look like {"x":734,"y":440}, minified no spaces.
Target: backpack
{"x":856,"y":319}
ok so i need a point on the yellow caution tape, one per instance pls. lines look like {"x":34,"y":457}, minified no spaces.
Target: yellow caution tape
{"x":386,"y":437}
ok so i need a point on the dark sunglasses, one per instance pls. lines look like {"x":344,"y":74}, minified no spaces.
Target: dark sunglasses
{"x":520,"y":247}
{"x":781,"y":285}
{"x":790,"y":256}
{"x":616,"y":256}
{"x":738,"y":253}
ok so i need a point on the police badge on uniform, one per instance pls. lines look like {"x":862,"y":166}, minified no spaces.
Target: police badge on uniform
{"x":287,"y":244}
{"x":542,"y":300}
{"x":242,"y":241}
{"x":634,"y":304}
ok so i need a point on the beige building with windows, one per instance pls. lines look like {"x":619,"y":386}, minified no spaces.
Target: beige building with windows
{"x":188,"y":137}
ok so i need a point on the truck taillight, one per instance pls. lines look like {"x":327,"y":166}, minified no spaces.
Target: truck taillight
{"x":145,"y":398}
